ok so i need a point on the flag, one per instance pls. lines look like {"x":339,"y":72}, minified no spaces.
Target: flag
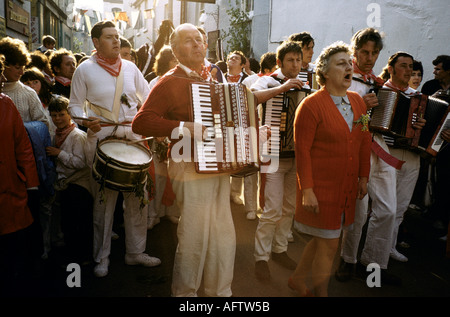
{"x":122,"y":16}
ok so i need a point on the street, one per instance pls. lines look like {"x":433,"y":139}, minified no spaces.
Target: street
{"x":426,"y":274}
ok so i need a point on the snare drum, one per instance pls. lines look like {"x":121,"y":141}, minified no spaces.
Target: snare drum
{"x":121,"y":166}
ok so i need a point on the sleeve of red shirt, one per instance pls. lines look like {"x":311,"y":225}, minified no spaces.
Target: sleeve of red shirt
{"x":151,"y":119}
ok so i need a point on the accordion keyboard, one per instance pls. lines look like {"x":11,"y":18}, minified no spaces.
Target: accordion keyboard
{"x":203,"y":114}
{"x":273,"y":117}
{"x":230,"y":142}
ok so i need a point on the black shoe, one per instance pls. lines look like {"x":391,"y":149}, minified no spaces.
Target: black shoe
{"x":262,"y":271}
{"x":345,"y":271}
{"x":284,"y":260}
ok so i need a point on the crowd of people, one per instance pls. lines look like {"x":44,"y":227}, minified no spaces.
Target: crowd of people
{"x":59,"y":108}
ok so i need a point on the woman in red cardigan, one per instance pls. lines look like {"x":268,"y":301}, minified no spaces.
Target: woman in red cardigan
{"x":332,"y":150}
{"x":19,"y":180}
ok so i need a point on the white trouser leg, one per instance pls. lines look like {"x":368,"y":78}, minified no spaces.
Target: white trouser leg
{"x":406,"y":182}
{"x":135,"y":222}
{"x":381,"y":189}
{"x":206,"y":236}
{"x":352,"y":237}
{"x":279,"y":207}
{"x":236,"y":186}
{"x":103,"y":220}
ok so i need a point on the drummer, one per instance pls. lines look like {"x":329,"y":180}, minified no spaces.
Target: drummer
{"x":112,"y":88}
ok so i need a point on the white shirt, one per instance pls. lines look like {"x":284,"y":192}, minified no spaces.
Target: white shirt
{"x":265,"y":82}
{"x":311,"y":67}
{"x":93,"y":83}
{"x":71,"y":161}
{"x":359,"y":87}
{"x":250,"y":80}
{"x":153,"y":82}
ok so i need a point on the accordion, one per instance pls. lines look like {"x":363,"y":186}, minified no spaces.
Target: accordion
{"x":307,"y":76}
{"x":279,"y":114}
{"x":394,"y":116}
{"x":436,"y":113}
{"x":228,"y":111}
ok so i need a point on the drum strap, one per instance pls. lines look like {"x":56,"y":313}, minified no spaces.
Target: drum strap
{"x":114,"y":114}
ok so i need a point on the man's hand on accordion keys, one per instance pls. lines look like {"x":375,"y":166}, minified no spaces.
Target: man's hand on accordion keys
{"x":292,"y":83}
{"x":264,"y":134}
{"x":445,"y":135}
{"x":370,"y":100}
{"x":196,"y":130}
{"x":419,"y":124}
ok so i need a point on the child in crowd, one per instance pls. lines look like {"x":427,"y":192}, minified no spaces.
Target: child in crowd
{"x":73,"y":182}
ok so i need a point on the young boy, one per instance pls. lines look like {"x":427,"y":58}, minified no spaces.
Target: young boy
{"x":73,"y":182}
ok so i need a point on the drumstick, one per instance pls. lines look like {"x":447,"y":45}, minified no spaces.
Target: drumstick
{"x":140,"y":140}
{"x":103,"y":122}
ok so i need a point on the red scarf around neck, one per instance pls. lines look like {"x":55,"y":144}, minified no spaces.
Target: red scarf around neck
{"x":394,"y":87}
{"x":205,"y":73}
{"x":377,"y":80}
{"x":234,"y":78}
{"x":111,"y":65}
{"x":61,"y":134}
{"x":63,"y":81}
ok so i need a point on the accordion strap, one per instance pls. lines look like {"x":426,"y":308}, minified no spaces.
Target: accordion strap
{"x":385,"y":156}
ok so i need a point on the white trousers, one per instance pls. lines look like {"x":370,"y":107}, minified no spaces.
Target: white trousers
{"x":206,"y":235}
{"x":279,"y":207}
{"x":250,"y":184}
{"x":382,"y":192}
{"x":406,"y":182}
{"x":135,"y":218}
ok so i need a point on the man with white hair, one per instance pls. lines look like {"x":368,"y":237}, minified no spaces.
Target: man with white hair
{"x":206,"y":234}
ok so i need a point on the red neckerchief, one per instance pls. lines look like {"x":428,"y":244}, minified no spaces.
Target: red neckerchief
{"x":279,"y":79}
{"x":63,"y":80}
{"x":377,"y":80}
{"x":61,"y":134}
{"x":205,"y":73}
{"x":233,"y":78}
{"x":394,"y":87}
{"x":111,"y":65}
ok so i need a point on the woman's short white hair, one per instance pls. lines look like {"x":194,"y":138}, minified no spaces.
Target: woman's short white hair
{"x":322,"y":62}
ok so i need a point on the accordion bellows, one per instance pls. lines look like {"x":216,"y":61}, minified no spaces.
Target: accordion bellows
{"x":396,"y":114}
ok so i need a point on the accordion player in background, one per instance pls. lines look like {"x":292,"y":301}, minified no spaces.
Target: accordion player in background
{"x":400,"y":67}
{"x":439,"y":210}
{"x":278,"y":185}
